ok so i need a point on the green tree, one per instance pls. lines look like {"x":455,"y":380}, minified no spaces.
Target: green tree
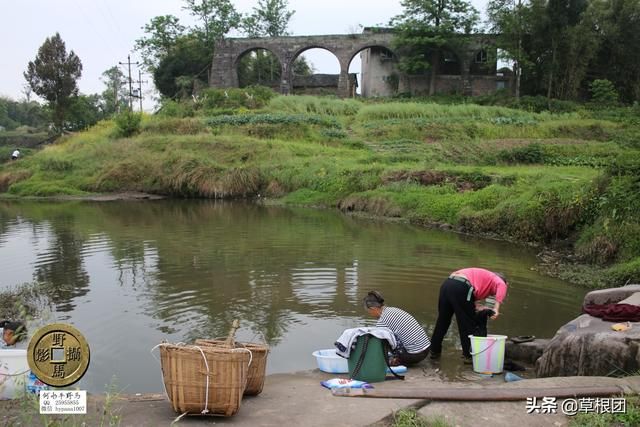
{"x":53,"y":75}
{"x":425,"y":28}
{"x":114,"y":97}
{"x":270,"y":18}
{"x":187,"y":61}
{"x":217,"y":18}
{"x":84,"y":111}
{"x":618,"y":59}
{"x":509,"y":21}
{"x":564,"y":36}
{"x":161,"y":35}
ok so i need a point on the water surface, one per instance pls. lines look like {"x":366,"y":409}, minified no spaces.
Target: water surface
{"x":131,"y":274}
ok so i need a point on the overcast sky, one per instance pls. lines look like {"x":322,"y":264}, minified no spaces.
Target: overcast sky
{"x":102,"y":32}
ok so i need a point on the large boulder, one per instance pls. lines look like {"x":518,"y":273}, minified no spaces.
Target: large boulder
{"x":527,"y":351}
{"x":589,"y":346}
{"x":611,"y":295}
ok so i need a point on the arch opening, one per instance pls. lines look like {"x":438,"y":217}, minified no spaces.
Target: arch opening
{"x":315,"y":71}
{"x":258,"y":66}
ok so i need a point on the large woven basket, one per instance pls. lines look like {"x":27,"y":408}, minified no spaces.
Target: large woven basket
{"x":185,"y":375}
{"x":258,"y":367}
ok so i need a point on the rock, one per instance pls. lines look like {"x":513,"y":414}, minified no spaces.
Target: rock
{"x":588,"y":346}
{"x":527,"y":351}
{"x":610,"y":296}
{"x":633,"y":299}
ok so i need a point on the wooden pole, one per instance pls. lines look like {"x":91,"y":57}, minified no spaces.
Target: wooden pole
{"x":481,"y":394}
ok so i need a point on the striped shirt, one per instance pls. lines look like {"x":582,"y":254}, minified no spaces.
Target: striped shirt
{"x":406,"y":329}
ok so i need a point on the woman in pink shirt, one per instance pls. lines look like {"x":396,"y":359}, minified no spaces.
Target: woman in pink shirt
{"x":458,"y":295}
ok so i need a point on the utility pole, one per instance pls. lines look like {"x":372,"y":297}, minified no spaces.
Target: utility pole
{"x":129,"y":63}
{"x":140,"y":81}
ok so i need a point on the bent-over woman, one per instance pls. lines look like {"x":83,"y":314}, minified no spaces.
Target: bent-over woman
{"x":413,"y":342}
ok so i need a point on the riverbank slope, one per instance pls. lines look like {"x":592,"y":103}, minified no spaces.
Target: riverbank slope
{"x":567,"y":181}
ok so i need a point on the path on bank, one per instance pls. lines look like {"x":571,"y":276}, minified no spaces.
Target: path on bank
{"x":298,"y":399}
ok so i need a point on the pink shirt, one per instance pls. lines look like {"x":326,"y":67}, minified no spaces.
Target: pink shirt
{"x":485,"y":283}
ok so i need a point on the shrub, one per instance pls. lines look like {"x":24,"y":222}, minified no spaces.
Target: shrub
{"x":171,"y":108}
{"x":127,"y":123}
{"x":177,"y":126}
{"x":529,"y":154}
{"x":315,"y":105}
{"x":251,"y":97}
{"x":274,"y":119}
{"x":603,"y":92}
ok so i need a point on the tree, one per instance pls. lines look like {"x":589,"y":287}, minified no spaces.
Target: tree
{"x":114,"y":97}
{"x":53,"y":75}
{"x":508,"y":20}
{"x":270,"y":18}
{"x":560,"y":42}
{"x":425,"y":28}
{"x":217,"y":17}
{"x":84,"y":111}
{"x":187,"y":60}
{"x":162,"y":33}
{"x":618,"y":59}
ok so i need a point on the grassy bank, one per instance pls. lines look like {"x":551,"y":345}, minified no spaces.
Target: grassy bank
{"x":568,"y":179}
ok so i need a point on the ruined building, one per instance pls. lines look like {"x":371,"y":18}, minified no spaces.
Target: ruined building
{"x":467,"y":69}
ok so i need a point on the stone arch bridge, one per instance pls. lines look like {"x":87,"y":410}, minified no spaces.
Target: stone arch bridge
{"x":345,"y":47}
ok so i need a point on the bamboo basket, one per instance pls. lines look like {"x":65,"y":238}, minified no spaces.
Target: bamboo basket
{"x":258,"y":367}
{"x":205,"y":380}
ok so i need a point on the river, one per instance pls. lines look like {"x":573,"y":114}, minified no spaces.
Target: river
{"x":131,"y":274}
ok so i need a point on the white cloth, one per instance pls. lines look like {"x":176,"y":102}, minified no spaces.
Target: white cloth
{"x":349,"y":336}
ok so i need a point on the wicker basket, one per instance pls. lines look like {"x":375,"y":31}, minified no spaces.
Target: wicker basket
{"x":185,"y":375}
{"x":258,"y":367}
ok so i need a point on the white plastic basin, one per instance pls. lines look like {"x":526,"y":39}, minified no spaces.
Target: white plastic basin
{"x":328,"y":361}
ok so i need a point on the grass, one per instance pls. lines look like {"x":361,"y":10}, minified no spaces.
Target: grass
{"x":532,"y":177}
{"x":411,"y":418}
{"x":628,"y":419}
{"x":26,"y":412}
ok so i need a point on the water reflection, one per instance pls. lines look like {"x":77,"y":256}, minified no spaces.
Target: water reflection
{"x":131,"y":274}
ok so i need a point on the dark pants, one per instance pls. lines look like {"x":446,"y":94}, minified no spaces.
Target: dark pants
{"x":453,"y":300}
{"x":408,"y":359}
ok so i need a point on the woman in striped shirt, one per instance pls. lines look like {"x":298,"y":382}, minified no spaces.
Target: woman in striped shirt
{"x":413,"y":342}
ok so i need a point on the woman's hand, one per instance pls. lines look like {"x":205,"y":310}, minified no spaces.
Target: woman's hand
{"x":496,"y":309}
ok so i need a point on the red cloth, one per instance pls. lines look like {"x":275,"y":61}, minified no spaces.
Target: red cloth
{"x":485,"y":283}
{"x":614,"y":312}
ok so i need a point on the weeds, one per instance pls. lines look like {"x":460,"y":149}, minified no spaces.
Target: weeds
{"x":411,"y":418}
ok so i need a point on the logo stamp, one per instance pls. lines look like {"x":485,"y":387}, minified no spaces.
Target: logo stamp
{"x":58,"y":354}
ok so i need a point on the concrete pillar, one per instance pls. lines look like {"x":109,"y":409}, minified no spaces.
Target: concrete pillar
{"x":286,"y":83}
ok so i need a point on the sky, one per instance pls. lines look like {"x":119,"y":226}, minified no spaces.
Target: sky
{"x":103,"y":32}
